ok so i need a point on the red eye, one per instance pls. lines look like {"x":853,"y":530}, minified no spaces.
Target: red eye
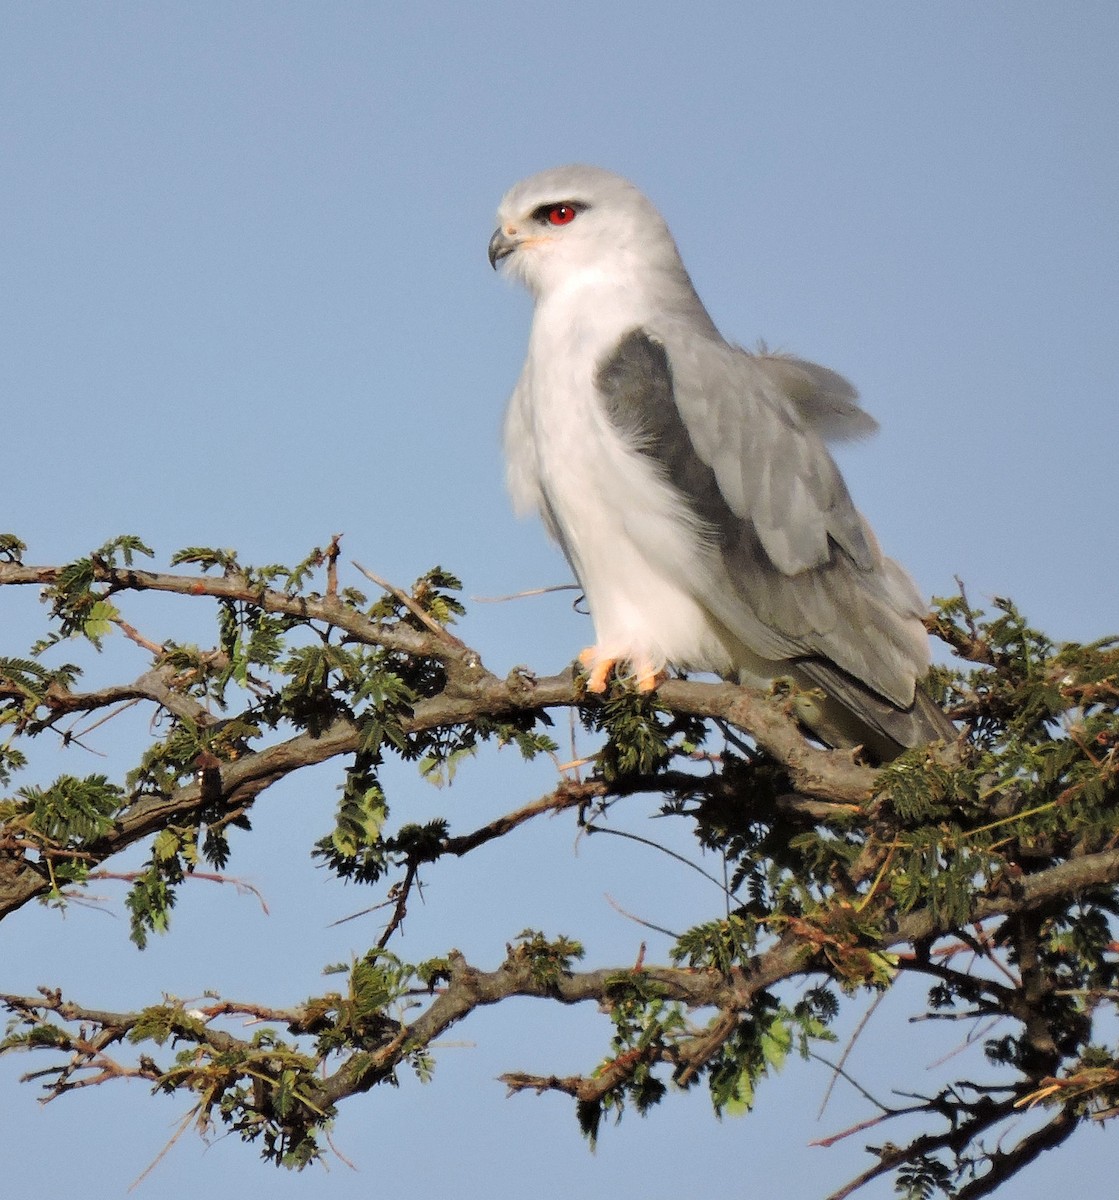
{"x":561,"y":214}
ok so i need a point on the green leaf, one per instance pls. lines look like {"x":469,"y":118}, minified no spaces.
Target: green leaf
{"x":99,"y":620}
{"x":360,"y":819}
{"x":740,"y":1098}
{"x":775,"y":1041}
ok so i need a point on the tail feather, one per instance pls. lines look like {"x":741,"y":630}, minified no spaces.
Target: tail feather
{"x":853,"y":715}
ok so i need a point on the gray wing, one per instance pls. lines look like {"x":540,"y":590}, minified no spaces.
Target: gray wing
{"x":799,"y":576}
{"x":824,"y":400}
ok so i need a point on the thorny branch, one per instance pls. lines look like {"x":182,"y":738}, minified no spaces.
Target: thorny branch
{"x":731,"y":995}
{"x":471,"y":692}
{"x":851,"y":925}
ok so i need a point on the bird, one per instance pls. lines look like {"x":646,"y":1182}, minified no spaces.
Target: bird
{"x":689,"y":483}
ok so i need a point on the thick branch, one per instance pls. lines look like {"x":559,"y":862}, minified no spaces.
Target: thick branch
{"x":471,"y":692}
{"x":824,"y":774}
{"x":1030,"y":892}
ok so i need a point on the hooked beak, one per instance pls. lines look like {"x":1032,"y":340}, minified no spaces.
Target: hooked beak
{"x":500,"y":247}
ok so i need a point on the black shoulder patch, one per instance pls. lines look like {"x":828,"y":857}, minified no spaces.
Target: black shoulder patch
{"x":637,"y":392}
{"x":636,"y":387}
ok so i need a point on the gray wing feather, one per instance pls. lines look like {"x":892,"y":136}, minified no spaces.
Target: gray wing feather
{"x":824,"y":399}
{"x":797,"y":575}
{"x":896,"y":727}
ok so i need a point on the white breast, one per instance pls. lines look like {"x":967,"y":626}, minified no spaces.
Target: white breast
{"x":636,"y":549}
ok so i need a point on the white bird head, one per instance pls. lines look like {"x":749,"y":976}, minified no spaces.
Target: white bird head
{"x":568,"y":222}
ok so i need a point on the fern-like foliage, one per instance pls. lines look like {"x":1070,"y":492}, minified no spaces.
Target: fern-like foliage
{"x":986,"y":870}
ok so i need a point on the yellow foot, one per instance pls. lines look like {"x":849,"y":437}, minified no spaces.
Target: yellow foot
{"x":649,"y":680}
{"x":645,"y":677}
{"x":598,"y":669}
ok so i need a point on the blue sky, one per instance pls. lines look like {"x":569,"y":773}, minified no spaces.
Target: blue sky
{"x":246,"y":302}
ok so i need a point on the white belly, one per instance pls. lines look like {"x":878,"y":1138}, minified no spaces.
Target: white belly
{"x":635,"y":548}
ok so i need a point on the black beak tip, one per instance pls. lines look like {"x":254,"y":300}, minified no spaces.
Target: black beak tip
{"x":499,"y":248}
